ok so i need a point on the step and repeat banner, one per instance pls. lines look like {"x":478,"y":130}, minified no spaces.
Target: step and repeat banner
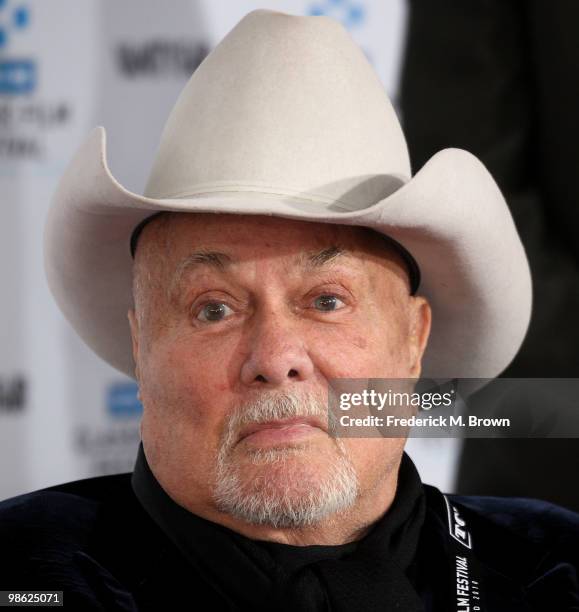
{"x":66,"y":66}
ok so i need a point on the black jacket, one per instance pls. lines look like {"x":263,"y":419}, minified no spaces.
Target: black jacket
{"x":93,"y":540}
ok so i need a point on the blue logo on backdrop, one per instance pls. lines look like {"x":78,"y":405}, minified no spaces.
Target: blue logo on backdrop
{"x":349,"y":14}
{"x":122,"y":402}
{"x":17,"y":76}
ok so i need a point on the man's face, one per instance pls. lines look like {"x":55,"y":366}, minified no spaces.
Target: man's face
{"x":240,"y":321}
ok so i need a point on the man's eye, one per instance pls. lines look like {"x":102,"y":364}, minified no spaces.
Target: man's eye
{"x":213,"y":311}
{"x":328,"y":303}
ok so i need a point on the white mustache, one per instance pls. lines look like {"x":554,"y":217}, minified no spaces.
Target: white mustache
{"x":275,"y":407}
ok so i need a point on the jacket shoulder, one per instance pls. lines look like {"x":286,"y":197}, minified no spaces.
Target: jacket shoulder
{"x":93,"y":539}
{"x":61,"y":516}
{"x":52,"y":503}
{"x":538,"y":521}
{"x":525,"y":550}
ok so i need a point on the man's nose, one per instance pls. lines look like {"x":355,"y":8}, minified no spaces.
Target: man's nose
{"x":277,"y":353}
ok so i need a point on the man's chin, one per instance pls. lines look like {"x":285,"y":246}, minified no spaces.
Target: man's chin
{"x":287,"y":486}
{"x":285,"y":467}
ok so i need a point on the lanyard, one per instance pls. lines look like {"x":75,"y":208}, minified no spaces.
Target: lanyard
{"x":465,"y":575}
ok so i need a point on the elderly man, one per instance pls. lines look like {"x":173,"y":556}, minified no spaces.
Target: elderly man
{"x":282,"y":245}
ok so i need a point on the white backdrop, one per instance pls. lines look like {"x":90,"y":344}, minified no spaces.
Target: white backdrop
{"x":66,"y":66}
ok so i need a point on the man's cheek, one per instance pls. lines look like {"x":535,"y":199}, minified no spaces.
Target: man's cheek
{"x":359,"y":341}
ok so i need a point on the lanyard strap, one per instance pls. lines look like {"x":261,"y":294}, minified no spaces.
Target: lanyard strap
{"x":466,"y":586}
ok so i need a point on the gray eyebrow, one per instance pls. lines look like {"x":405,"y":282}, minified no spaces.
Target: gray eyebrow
{"x":213,"y":259}
{"x":321,"y":258}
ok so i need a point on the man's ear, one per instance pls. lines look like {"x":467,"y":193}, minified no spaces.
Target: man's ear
{"x":421,"y":319}
{"x":134,"y":325}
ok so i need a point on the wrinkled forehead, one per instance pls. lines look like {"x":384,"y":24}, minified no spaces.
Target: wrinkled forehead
{"x":312,"y":243}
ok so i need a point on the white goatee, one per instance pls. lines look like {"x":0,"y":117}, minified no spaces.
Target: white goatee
{"x":285,"y":494}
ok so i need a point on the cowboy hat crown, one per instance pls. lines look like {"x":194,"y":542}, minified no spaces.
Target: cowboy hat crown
{"x":284,"y":105}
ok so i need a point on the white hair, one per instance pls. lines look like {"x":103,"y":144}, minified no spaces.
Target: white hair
{"x":292,"y":500}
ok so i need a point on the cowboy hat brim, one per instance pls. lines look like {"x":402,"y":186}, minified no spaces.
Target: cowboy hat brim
{"x":450,"y":216}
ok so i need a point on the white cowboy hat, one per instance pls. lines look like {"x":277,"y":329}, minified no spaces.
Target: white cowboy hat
{"x":286,"y":117}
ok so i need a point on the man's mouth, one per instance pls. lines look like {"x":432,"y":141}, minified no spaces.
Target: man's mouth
{"x":286,"y":430}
